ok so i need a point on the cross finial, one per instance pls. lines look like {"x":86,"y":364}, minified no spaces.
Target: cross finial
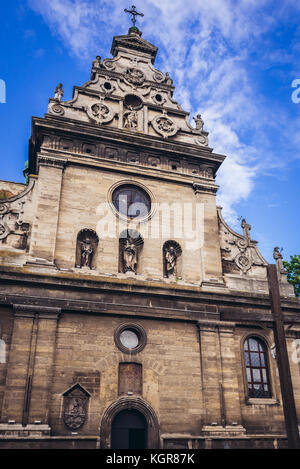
{"x":134,"y":13}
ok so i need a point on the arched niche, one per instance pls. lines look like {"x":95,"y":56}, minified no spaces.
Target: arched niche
{"x":86,"y":249}
{"x":130,"y":248}
{"x":172,"y":260}
{"x":127,"y":403}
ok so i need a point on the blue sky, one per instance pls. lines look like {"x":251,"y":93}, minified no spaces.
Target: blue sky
{"x":232,"y":61}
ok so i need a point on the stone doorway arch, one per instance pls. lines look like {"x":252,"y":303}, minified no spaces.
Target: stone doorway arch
{"x":129,"y":403}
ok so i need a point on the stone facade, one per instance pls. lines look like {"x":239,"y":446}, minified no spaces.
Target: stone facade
{"x":190,"y":308}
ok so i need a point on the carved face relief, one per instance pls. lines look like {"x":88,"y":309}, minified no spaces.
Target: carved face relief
{"x":100,"y":113}
{"x":164,"y":126}
{"x":134,"y":76}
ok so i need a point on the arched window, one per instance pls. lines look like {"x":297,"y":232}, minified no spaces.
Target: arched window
{"x":257,"y":368}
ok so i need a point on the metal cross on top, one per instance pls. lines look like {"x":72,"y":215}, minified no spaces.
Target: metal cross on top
{"x":134,"y":13}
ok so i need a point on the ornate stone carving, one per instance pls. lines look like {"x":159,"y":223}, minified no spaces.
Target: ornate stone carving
{"x":130,"y":120}
{"x":59,"y":92}
{"x":134,"y":77}
{"x":109,"y":64}
{"x":57,"y":109}
{"x":206,"y":172}
{"x":169,"y":80}
{"x":246,"y":229}
{"x":75,"y":407}
{"x":131,"y":243}
{"x":278,"y":258}
{"x":171,"y":252}
{"x":202,"y":140}
{"x":164,"y":126}
{"x":238,"y":251}
{"x":100,"y":113}
{"x":158,"y":77}
{"x":154,"y":161}
{"x":199,"y":123}
{"x":11,"y":220}
{"x":87,"y":243}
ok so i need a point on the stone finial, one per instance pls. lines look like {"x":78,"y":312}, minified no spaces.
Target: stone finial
{"x":246,"y":229}
{"x":59,"y":92}
{"x":278,"y":258}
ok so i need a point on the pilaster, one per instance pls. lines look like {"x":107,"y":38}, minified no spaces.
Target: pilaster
{"x":210,"y":250}
{"x":44,"y":230}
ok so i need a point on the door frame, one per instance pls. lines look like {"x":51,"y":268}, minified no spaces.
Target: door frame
{"x":128,"y":403}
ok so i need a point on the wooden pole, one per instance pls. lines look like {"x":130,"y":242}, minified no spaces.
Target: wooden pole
{"x":289,"y":407}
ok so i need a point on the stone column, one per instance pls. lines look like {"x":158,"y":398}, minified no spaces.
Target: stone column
{"x":210,"y":372}
{"x":43,"y":366}
{"x":231,"y":400}
{"x":44,"y":229}
{"x":14,"y":399}
{"x":211,"y":254}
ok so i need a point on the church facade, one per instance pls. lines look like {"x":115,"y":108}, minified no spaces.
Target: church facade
{"x":131,"y":314}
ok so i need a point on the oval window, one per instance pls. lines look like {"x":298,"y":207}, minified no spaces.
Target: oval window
{"x":131,"y":201}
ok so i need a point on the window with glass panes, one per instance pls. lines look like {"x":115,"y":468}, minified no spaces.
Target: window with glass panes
{"x":256,"y":361}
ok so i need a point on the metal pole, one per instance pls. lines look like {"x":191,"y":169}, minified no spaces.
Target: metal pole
{"x":289,"y":407}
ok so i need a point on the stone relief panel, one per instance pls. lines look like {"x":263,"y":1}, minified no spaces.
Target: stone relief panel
{"x":164,"y":126}
{"x":75,"y":407}
{"x":100,"y":113}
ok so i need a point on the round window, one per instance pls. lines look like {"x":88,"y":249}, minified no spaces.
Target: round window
{"x":130,"y":338}
{"x":131,"y":201}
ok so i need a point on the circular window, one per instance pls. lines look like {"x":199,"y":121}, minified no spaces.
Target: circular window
{"x":130,"y":338}
{"x":158,"y":98}
{"x":107,"y":86}
{"x":131,"y":201}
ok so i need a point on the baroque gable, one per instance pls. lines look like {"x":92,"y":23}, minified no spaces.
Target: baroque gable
{"x":128,"y":93}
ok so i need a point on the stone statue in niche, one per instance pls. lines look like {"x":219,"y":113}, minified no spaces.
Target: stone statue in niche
{"x":130,"y":257}
{"x":278,"y":258}
{"x":87,"y":242}
{"x":59,"y":92}
{"x":171,"y":258}
{"x":131,"y":243}
{"x":171,"y":253}
{"x":87,"y":252}
{"x":199,"y":123}
{"x":131,"y":120}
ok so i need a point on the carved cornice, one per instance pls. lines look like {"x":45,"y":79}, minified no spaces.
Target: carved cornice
{"x":204,"y":189}
{"x":59,"y":163}
{"x":44,"y":312}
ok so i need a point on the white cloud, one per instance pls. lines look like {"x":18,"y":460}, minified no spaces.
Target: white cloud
{"x":206,"y":48}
